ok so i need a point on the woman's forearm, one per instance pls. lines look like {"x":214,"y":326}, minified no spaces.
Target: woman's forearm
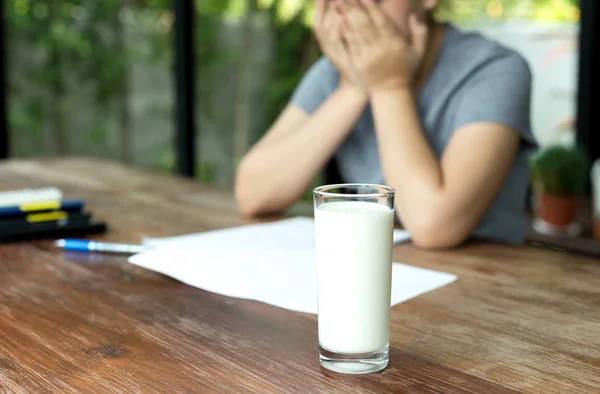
{"x":407,"y":160}
{"x":273,"y":176}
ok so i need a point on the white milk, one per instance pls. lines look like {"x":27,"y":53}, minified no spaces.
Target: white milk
{"x":354,"y":258}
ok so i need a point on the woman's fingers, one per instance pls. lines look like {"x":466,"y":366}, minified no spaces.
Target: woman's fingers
{"x":354,"y":43}
{"x":320,"y":9}
{"x":358,"y":18}
{"x":419,"y":34}
{"x":376,"y":15}
{"x":360,"y":31}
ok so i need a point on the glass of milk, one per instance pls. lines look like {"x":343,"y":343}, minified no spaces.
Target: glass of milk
{"x":354,"y":226}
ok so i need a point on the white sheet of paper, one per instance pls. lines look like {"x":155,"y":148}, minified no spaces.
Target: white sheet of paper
{"x":289,"y":234}
{"x":273,"y":263}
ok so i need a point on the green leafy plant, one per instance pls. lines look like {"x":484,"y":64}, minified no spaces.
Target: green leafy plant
{"x":560,"y":170}
{"x":59,"y":48}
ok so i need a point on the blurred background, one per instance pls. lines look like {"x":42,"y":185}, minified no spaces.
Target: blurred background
{"x":96,"y":78}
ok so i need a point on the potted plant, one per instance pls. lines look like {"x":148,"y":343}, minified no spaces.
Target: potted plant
{"x":559,"y":176}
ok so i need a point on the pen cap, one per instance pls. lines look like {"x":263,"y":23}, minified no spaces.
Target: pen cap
{"x":25,"y":196}
{"x":73,"y":244}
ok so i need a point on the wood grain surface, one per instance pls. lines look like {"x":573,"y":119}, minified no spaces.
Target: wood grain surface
{"x":518,"y":319}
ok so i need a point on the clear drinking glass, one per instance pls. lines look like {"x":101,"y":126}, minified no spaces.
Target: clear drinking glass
{"x":354,"y":226}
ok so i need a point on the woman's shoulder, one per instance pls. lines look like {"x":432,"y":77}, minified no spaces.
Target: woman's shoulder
{"x":474,"y":52}
{"x":320,"y":81}
{"x":322,"y":71}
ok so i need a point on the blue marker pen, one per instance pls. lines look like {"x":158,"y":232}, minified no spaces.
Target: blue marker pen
{"x":83,"y":245}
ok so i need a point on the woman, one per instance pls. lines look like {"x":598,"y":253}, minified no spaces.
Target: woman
{"x":440,"y":115}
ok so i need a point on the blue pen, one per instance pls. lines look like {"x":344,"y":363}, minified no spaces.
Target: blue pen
{"x":83,"y":245}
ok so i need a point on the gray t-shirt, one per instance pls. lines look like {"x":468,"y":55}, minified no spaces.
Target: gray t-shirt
{"x":473,"y":80}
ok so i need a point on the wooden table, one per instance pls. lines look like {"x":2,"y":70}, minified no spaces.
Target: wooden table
{"x":517,"y":319}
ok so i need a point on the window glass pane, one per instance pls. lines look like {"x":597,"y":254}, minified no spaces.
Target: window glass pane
{"x":91,"y":78}
{"x":252,"y":54}
{"x":546,"y":33}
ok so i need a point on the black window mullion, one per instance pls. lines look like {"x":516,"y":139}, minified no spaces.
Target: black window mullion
{"x":588,"y":132}
{"x":185,"y":87}
{"x":4,"y":136}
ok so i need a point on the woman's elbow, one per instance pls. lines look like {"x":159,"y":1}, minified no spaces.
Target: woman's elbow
{"x":252,"y":205}
{"x":248,"y":205}
{"x":246,"y":200}
{"x":247,"y":208}
{"x":250,"y":196}
{"x":436,"y":235}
